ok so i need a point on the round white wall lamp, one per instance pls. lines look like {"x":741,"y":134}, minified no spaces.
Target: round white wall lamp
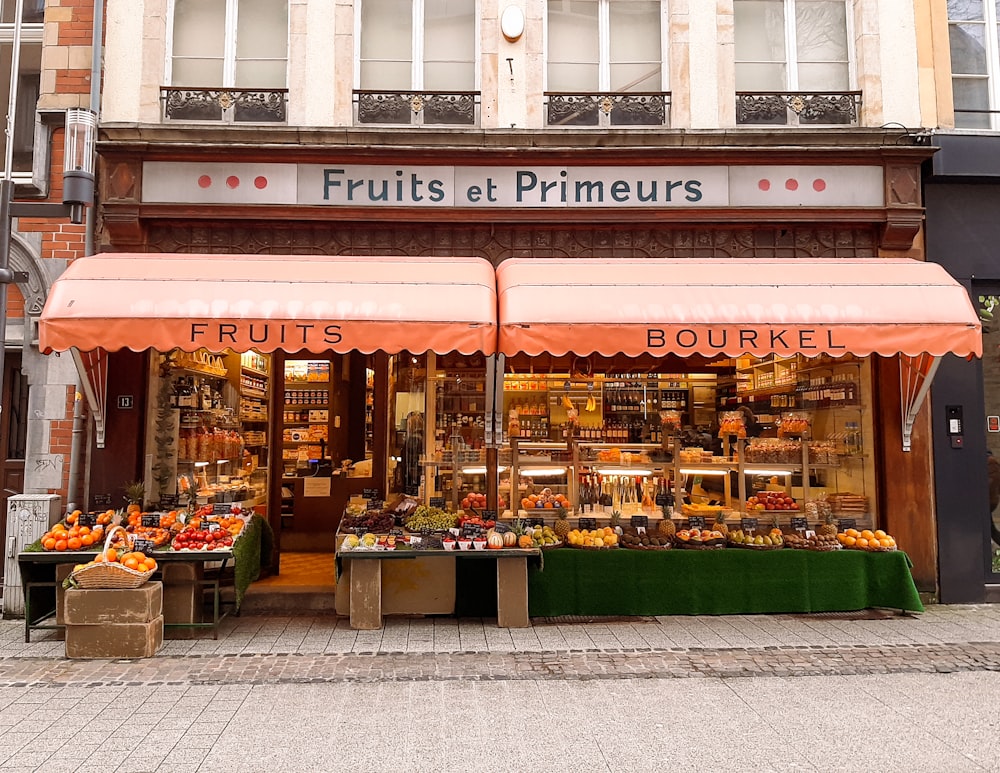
{"x":512,"y":23}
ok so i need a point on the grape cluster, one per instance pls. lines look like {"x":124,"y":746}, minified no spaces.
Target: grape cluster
{"x":375,"y":521}
{"x":430,"y":518}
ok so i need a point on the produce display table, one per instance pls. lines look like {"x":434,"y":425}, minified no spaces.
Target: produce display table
{"x":366,"y":586}
{"x":39,"y":582}
{"x":719,"y":582}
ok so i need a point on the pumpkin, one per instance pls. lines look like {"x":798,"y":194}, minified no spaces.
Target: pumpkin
{"x":494,"y":541}
{"x":509,"y":539}
{"x":525,"y":542}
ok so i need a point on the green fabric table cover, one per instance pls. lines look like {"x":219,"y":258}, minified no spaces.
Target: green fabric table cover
{"x":718,"y":582}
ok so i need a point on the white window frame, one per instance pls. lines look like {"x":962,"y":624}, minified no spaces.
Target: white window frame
{"x":791,"y":47}
{"x":991,"y":40}
{"x":228,"y":50}
{"x":32,"y":34}
{"x":604,"y":46}
{"x":417,"y":46}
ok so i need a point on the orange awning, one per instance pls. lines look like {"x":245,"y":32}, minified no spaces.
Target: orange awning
{"x":731,"y":307}
{"x":268,"y":302}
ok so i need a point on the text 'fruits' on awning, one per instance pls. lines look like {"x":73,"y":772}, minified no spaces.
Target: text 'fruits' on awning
{"x":733,"y":306}
{"x":293,"y":303}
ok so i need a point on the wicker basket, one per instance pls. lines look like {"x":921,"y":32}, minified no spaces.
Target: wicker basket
{"x":107,"y":575}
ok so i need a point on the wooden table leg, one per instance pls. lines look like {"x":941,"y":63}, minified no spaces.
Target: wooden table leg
{"x":512,"y":592}
{"x":366,"y":594}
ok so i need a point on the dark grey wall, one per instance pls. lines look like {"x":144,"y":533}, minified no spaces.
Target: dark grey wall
{"x":963,"y":235}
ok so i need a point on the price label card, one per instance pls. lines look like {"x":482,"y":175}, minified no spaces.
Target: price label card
{"x":587,"y":523}
{"x":536,"y":522}
{"x":210,"y":526}
{"x":696,"y":521}
{"x":490,"y":515}
{"x":374,"y":504}
{"x":87,"y":519}
{"x":102,"y":500}
{"x":472,"y":530}
{"x":800,"y":523}
{"x":661,"y":500}
{"x":437,"y":502}
{"x":396,"y":532}
{"x":370,"y":493}
{"x":639,"y":521}
{"x":749,"y":524}
{"x":222,"y":508}
{"x":501,"y":528}
{"x":846,"y":523}
{"x":150,"y":520}
{"x":360,"y":530}
{"x":146,"y":546}
{"x":168,"y":501}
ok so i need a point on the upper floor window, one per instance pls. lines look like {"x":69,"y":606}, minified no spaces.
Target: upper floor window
{"x":28,"y":81}
{"x":975,"y":62}
{"x":799,"y":46}
{"x":597,"y":49}
{"x":228,"y":60}
{"x":424,"y":47}
{"x":236,"y":43}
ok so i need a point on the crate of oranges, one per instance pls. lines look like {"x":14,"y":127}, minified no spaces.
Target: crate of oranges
{"x":112,"y":568}
{"x":866,"y":539}
{"x":77,"y":532}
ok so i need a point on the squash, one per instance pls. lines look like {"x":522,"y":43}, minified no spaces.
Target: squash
{"x":509,"y":539}
{"x":525,"y":542}
{"x":494,"y":541}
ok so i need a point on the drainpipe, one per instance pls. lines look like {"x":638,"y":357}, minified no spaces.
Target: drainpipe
{"x":78,"y":447}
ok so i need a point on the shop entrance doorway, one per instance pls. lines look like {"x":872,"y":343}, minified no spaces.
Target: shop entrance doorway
{"x":13,"y":435}
{"x":988,"y":305}
{"x":324,"y":426}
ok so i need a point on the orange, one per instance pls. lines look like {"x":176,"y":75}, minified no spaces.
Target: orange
{"x":130,"y":563}
{"x":49,"y":543}
{"x":84,"y":530}
{"x":850,"y":541}
{"x":868,"y":534}
{"x":60,"y":544}
{"x":879,"y":534}
{"x":112,"y":555}
{"x":73,"y":543}
{"x":862,"y":542}
{"x":852,"y":533}
{"x":885,"y":542}
{"x":87,"y":540}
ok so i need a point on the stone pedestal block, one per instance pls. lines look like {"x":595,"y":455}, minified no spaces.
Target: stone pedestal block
{"x":113,"y":606}
{"x":115,"y":640}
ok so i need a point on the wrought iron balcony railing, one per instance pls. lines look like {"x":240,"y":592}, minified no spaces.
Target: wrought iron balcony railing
{"x":416,"y":108}
{"x":224,"y":105}
{"x":798,"y":108}
{"x":649,"y":108}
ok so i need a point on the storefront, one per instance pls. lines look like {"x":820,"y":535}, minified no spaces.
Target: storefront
{"x":739,"y":224}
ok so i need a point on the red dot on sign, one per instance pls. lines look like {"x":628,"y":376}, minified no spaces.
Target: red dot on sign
{"x":260,"y":182}
{"x":792,"y":184}
{"x":819,"y":185}
{"x":204,"y":181}
{"x":233,"y":181}
{"x":764,"y":185}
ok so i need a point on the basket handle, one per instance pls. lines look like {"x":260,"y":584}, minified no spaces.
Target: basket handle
{"x":107,"y":540}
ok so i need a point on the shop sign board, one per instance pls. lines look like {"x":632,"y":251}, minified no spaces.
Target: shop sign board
{"x":521,"y":186}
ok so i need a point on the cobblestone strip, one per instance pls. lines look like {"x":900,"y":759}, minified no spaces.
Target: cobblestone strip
{"x":291,"y":668}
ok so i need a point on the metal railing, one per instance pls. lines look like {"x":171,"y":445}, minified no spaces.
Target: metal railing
{"x":648,"y":108}
{"x":798,"y":108}
{"x":417,"y":108}
{"x":223,"y":105}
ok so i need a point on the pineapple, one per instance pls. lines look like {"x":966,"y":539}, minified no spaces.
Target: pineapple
{"x":666,"y":527}
{"x":828,"y":527}
{"x":616,"y":519}
{"x":720,"y":523}
{"x":561,"y":527}
{"x":135,"y":493}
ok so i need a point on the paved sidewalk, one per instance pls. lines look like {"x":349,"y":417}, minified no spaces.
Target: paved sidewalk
{"x":298,"y":693}
{"x":325,"y":633}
